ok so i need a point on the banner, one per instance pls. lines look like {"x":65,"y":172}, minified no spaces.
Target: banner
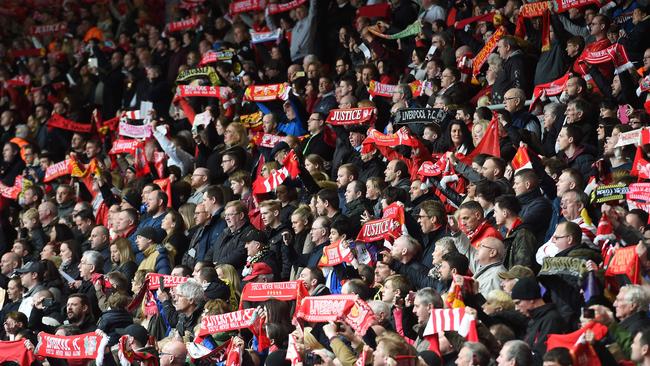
{"x":281,"y":8}
{"x":489,"y":47}
{"x":137,"y":132}
{"x":489,"y":17}
{"x":125,"y":146}
{"x":376,"y":88}
{"x":560,"y":6}
{"x":57,"y":170}
{"x":42,"y":30}
{"x":58,"y":121}
{"x":261,"y":37}
{"x":322,"y":309}
{"x":168,"y":281}
{"x":411,"y":115}
{"x":348,"y":308}
{"x":640,"y":136}
{"x":88,"y":346}
{"x":640,"y":166}
{"x":243,"y":6}
{"x":639,"y":192}
{"x":389,"y":227}
{"x":335,"y":254}
{"x":612,"y":192}
{"x":199,"y":72}
{"x":213,"y":324}
{"x":219,"y":92}
{"x":401,"y":137}
{"x":212,"y":56}
{"x":350,"y":116}
{"x":14,"y":191}
{"x":564,"y":266}
{"x":181,"y":25}
{"x":282,"y":291}
{"x":431,"y":169}
{"x":15,"y":351}
{"x":266,"y":93}
{"x":625,"y":262}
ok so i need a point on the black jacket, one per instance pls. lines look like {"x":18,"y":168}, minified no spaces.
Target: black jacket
{"x":429,"y":245}
{"x":545,"y":320}
{"x":111,"y":320}
{"x":217,"y":290}
{"x":280,"y":250}
{"x":229,"y":248}
{"x":536,"y":212}
{"x":513,"y":75}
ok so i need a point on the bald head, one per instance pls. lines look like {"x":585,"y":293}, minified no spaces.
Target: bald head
{"x":9,"y":262}
{"x":173,"y":353}
{"x":200,"y":177}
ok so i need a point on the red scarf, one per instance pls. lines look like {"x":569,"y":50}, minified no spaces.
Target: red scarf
{"x":58,"y":121}
{"x":389,"y":227}
{"x":42,"y":30}
{"x":15,"y":351}
{"x":244,"y":6}
{"x":181,"y":25}
{"x":266,"y":93}
{"x":281,"y":8}
{"x":350,"y":116}
{"x":88,"y":346}
{"x":13,"y":191}
{"x":282,"y":291}
{"x":487,"y":49}
{"x":221,"y":93}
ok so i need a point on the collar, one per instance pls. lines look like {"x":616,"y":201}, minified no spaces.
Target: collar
{"x":515,"y":224}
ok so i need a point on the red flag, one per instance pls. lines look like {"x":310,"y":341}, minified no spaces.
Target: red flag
{"x":625,"y":262}
{"x":290,"y":168}
{"x":455,"y":319}
{"x":521,"y":160}
{"x":640,"y":166}
{"x":489,"y":144}
{"x":15,"y":351}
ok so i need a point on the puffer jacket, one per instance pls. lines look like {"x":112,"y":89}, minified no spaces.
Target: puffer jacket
{"x":536,"y":212}
{"x":158,"y":259}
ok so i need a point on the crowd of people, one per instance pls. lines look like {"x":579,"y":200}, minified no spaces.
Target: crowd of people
{"x":325,"y":182}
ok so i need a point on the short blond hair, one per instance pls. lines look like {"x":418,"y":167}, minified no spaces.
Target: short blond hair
{"x":30,"y":214}
{"x":500,"y":298}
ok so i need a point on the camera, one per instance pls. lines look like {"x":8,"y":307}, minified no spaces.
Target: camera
{"x":588,"y":313}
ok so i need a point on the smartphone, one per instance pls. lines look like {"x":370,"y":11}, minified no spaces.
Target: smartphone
{"x":299,"y":74}
{"x":162,"y":283}
{"x":92,"y":62}
{"x":588,"y":313}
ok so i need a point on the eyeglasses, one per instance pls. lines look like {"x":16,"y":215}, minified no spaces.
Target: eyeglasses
{"x":423,"y":217}
{"x":555,"y":237}
{"x":486,"y":247}
{"x":509,"y":98}
{"x":230,"y":214}
{"x":200,"y":212}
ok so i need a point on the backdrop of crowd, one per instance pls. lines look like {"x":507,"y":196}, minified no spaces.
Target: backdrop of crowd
{"x":325,"y":182}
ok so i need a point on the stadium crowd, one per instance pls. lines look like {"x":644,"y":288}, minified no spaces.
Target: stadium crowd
{"x":325,"y":182}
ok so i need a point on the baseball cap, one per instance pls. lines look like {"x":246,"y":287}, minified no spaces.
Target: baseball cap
{"x":137,"y":331}
{"x":517,"y":271}
{"x":259,"y":268}
{"x":30,"y":267}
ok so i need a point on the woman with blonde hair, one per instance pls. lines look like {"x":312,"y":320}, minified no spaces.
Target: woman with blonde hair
{"x":235,"y":135}
{"x":229,"y":275}
{"x":497,"y":301}
{"x":187,"y":212}
{"x":315,"y":165}
{"x":122,"y":258}
{"x":478,"y":131}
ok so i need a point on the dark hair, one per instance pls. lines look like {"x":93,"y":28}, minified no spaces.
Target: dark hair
{"x":358,"y":287}
{"x":317,"y":274}
{"x":446,"y":142}
{"x":401,"y":167}
{"x":573,"y":132}
{"x":509,"y":202}
{"x":643,"y":216}
{"x":393,"y":194}
{"x":488,"y":189}
{"x":560,"y":355}
{"x":208,"y":274}
{"x":74,"y":247}
{"x":187,"y":271}
{"x":63,"y":232}
{"x":216,"y":193}
{"x":330,"y":196}
{"x":457,"y":261}
{"x":343,"y":227}
{"x":472,"y":206}
{"x":574,"y":231}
